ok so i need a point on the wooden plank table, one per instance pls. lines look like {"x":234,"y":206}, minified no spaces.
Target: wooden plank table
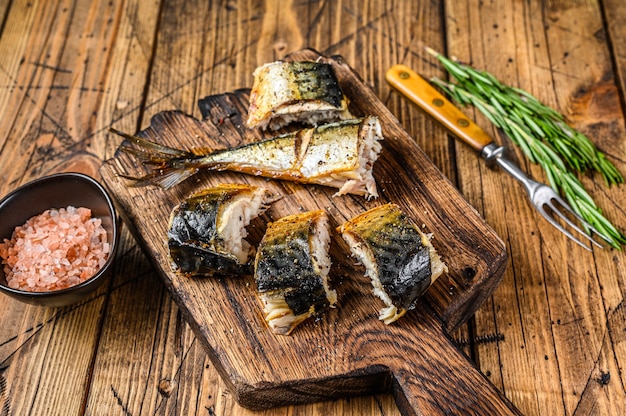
{"x":551,"y":337}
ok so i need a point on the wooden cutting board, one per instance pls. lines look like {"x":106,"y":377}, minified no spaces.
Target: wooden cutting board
{"x":346,"y":351}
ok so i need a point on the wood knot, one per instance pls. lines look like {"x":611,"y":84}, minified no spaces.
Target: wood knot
{"x":604,"y":379}
{"x":596,"y":103}
{"x":280,"y":49}
{"x":469,"y":273}
{"x":165,"y":387}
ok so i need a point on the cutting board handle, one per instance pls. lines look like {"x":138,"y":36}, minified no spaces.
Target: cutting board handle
{"x":435,"y":377}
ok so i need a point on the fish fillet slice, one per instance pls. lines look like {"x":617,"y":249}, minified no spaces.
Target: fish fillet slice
{"x":398,"y":258}
{"x":303,"y":91}
{"x":292,"y":270}
{"x":207,"y":231}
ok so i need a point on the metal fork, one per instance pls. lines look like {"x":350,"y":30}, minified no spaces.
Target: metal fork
{"x":543,"y":197}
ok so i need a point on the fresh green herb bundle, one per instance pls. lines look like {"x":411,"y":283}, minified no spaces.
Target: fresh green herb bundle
{"x":543,"y":136}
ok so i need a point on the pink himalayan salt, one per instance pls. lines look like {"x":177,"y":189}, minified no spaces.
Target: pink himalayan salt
{"x":55,"y":250}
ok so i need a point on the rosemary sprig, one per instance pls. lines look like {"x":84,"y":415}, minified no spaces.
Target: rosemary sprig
{"x":543,"y":136}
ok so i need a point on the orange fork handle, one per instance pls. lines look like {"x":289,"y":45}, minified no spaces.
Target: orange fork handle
{"x":420,"y":92}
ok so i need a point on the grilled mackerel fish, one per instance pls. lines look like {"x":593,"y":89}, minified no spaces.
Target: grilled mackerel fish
{"x":291,"y":270}
{"x":303,"y":91}
{"x":207,"y":231}
{"x":399,"y":259}
{"x":339,"y":155}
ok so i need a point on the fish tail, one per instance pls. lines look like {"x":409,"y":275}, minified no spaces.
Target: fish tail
{"x":169,"y":166}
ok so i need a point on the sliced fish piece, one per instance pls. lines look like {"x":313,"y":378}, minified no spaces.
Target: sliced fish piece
{"x":398,"y":258}
{"x":291,"y":270}
{"x":207,"y":231}
{"x":302,"y":91}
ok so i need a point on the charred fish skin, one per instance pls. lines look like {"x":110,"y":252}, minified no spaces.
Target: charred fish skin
{"x":194,"y":258}
{"x":206,"y":234}
{"x":399,"y":258}
{"x":300,"y":91}
{"x":291,"y":270}
{"x":339,"y":155}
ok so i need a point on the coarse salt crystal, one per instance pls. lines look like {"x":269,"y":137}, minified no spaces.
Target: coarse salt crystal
{"x":41,"y":258}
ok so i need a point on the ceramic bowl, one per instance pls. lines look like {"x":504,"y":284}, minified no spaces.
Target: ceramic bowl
{"x":59,"y":191}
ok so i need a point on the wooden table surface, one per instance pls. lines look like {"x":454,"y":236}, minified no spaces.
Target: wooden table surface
{"x":552,"y":338}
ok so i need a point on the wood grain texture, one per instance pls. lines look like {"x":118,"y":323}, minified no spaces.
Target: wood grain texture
{"x":558,"y":314}
{"x":557,"y":52}
{"x":613,"y":289}
{"x":349,"y":351}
